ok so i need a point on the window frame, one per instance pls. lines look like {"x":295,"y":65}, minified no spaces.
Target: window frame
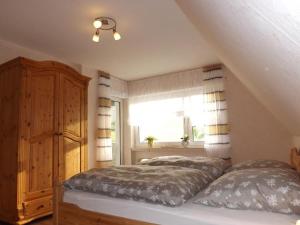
{"x":121,"y":114}
{"x":187,"y":129}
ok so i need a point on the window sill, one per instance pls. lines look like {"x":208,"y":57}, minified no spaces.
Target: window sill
{"x":161,"y":148}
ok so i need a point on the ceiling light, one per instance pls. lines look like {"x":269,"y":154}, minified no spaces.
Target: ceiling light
{"x":97,"y":23}
{"x":96,"y":36}
{"x":105,"y":23}
{"x":117,"y":36}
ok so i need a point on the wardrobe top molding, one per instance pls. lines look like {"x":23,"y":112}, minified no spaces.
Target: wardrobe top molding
{"x":44,"y":65}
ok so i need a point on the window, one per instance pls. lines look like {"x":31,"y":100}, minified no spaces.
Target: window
{"x":171,"y":129}
{"x":168,"y":119}
{"x":116,"y":131}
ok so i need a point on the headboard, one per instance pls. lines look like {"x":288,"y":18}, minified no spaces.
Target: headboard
{"x":295,"y":159}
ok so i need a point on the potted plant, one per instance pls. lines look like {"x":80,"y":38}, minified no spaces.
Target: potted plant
{"x":150,"y":140}
{"x":185,"y":140}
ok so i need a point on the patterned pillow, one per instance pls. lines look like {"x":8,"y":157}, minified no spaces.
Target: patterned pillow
{"x":250,"y":164}
{"x":213,"y":167}
{"x":268,"y":189}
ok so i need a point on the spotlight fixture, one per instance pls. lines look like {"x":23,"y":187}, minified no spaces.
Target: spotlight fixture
{"x":105,"y":23}
{"x":117,"y":36}
{"x":97,"y":24}
{"x":96,"y":36}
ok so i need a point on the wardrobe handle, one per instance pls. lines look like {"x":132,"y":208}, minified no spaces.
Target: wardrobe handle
{"x":58,"y":134}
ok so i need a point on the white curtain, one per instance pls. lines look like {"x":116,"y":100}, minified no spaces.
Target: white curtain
{"x":217,"y":139}
{"x":183,"y":80}
{"x":104,"y":143}
{"x":119,"y":88}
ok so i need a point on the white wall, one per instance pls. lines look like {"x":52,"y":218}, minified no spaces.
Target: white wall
{"x":255,"y":132}
{"x":296,"y":141}
{"x":92,"y":112}
{"x":10,"y":51}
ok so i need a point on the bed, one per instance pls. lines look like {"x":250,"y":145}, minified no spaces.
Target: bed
{"x":82,"y":208}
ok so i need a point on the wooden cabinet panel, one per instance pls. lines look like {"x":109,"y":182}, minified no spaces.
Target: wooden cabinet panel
{"x":42,"y":92}
{"x":41,"y":165}
{"x":9,"y":112}
{"x":73,"y":139}
{"x":72,"y":157}
{"x":72,"y":103}
{"x":40,"y":147}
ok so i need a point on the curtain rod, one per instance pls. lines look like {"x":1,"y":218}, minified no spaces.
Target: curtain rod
{"x":104,"y":74}
{"x":212,"y":67}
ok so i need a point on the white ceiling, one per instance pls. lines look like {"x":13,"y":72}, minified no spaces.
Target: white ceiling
{"x":259,"y":40}
{"x":156,"y":36}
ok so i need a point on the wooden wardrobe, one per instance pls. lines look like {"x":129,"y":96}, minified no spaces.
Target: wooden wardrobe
{"x":43,"y":135}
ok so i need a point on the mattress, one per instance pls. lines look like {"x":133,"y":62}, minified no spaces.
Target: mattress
{"x":187,"y":214}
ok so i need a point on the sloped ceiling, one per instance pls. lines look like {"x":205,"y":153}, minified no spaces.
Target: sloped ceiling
{"x":259,"y":40}
{"x":156,"y":36}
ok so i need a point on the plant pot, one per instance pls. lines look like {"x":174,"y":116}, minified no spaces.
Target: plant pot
{"x":150,"y":144}
{"x":185,"y":143}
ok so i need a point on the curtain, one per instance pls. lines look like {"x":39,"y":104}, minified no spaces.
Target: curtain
{"x":166,"y":83}
{"x":217,"y":139}
{"x":104,"y":143}
{"x":119,"y":88}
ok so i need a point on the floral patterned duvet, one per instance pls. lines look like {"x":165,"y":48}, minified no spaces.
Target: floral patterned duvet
{"x":166,"y":185}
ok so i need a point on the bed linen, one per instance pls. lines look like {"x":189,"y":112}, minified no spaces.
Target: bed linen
{"x":166,"y":185}
{"x":265,"y":189}
{"x":187,"y":214}
{"x":260,"y":163}
{"x":214,"y":167}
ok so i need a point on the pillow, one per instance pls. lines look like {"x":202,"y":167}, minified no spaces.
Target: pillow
{"x":214,"y":167}
{"x":267,"y":189}
{"x":259,"y":164}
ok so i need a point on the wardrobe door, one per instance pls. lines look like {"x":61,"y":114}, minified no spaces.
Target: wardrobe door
{"x":72,"y":127}
{"x":40,"y":144}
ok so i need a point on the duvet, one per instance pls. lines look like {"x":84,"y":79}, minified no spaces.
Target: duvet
{"x":166,"y":185}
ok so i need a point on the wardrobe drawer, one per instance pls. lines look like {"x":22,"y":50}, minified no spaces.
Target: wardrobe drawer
{"x":38,"y":206}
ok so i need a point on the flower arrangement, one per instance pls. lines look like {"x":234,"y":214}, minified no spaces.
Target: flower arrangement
{"x":185,"y":140}
{"x":150,"y":140}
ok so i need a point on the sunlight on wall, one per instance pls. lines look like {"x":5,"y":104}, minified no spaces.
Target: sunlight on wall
{"x":297,"y":141}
